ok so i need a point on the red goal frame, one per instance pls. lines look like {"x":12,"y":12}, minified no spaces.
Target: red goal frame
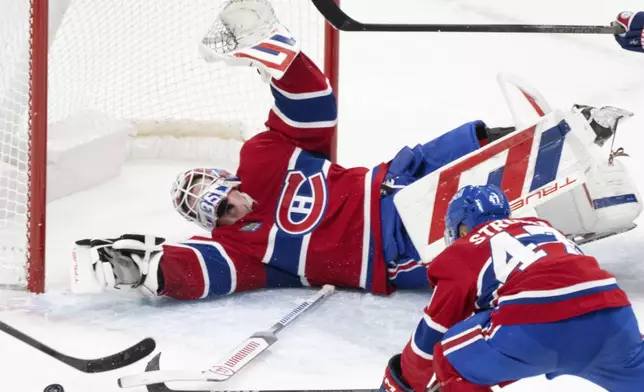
{"x":37,"y":198}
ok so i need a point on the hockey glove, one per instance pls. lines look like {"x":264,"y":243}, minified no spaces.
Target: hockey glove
{"x":131,"y":260}
{"x":633,"y":38}
{"x":247,"y":32}
{"x":393,"y":380}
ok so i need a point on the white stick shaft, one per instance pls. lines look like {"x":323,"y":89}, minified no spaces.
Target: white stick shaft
{"x":261,"y":341}
{"x":293,"y":314}
{"x":227,"y":366}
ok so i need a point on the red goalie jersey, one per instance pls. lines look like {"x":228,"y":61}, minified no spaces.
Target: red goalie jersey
{"x":313,"y":222}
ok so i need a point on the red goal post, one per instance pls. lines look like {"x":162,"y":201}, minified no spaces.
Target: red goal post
{"x":134,"y":60}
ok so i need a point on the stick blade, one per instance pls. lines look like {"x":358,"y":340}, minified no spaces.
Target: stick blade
{"x":115,"y":361}
{"x":150,"y":377}
{"x":219,"y":372}
{"x":121,"y":359}
{"x":153,"y":366}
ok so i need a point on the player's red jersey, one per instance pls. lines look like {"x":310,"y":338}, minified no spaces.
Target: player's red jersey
{"x":313,"y":222}
{"x":522,"y":269}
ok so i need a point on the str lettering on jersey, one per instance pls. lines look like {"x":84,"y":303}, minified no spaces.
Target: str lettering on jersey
{"x":491,"y":229}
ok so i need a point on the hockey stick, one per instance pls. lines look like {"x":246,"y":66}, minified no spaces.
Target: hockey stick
{"x":104,"y":364}
{"x":153,"y":365}
{"x":233,"y":362}
{"x":341,"y":21}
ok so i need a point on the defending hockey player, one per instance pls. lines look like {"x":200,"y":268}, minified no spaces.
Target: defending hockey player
{"x":513,"y":298}
{"x":288,"y":217}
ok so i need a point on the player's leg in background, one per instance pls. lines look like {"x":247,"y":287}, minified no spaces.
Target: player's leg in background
{"x":619,"y":366}
{"x":413,"y":163}
{"x":455,"y":144}
{"x":426,"y":158}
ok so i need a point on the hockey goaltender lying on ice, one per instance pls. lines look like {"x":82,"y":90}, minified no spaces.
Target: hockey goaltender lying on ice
{"x":289,"y":217}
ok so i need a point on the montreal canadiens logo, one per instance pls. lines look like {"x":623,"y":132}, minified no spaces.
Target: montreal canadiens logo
{"x":302,"y":203}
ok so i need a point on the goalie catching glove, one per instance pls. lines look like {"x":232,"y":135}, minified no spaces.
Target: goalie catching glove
{"x":131,"y":261}
{"x":247,"y":32}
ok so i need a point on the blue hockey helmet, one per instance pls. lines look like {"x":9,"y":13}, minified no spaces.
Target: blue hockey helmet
{"x":472,"y":206}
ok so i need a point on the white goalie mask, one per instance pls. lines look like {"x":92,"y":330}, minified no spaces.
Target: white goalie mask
{"x":200,"y":195}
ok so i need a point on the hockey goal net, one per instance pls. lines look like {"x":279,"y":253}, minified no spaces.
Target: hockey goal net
{"x":135,"y":60}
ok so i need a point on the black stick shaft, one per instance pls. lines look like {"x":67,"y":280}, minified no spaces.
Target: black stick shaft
{"x":474,"y":28}
{"x":341,"y":21}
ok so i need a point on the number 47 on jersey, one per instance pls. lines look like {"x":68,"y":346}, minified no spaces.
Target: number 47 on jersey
{"x":511,"y":252}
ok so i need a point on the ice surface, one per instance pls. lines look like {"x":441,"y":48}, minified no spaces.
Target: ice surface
{"x":396,"y":89}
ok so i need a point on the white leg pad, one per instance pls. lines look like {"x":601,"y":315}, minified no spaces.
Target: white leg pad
{"x":608,"y":202}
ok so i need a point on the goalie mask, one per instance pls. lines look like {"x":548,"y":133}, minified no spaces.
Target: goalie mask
{"x":201,"y":195}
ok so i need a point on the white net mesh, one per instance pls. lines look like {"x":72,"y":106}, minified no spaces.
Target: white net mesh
{"x":14,"y":136}
{"x":131,"y":59}
{"x":139,"y":59}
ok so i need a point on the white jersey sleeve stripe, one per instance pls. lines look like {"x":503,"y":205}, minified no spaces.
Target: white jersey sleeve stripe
{"x":366,"y":230}
{"x":433,"y":324}
{"x":545,"y":294}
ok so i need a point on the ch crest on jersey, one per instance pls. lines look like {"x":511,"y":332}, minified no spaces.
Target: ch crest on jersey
{"x":302,"y":203}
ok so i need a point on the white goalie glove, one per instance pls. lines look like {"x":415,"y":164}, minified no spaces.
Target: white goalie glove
{"x":248,"y":33}
{"x":129,"y":261}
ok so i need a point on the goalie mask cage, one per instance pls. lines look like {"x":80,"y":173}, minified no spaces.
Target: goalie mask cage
{"x":135,"y":60}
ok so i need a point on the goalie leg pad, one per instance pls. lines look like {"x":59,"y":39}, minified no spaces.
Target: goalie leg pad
{"x":607,"y":203}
